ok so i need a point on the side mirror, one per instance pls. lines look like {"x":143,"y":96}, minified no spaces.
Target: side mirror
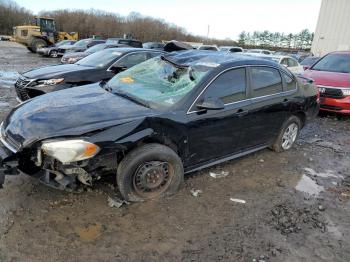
{"x":306,"y":67}
{"x":211,"y":104}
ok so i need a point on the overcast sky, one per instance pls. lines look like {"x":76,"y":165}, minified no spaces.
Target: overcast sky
{"x":227,"y":18}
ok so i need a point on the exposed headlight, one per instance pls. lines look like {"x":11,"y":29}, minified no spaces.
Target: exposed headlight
{"x":68,"y":151}
{"x":50,"y":82}
{"x":72,"y":60}
{"x":346,"y":92}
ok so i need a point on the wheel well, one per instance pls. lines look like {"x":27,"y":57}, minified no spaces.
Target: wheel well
{"x":163,"y":141}
{"x":301,"y":115}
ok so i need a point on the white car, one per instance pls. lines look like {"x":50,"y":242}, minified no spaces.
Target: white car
{"x":259,"y":51}
{"x":287,"y":61}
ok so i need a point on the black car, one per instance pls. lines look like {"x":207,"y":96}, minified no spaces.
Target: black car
{"x":73,"y":57}
{"x":99,"y":66}
{"x":149,"y":125}
{"x":80,"y":46}
{"x":52,"y":51}
{"x":125,"y":41}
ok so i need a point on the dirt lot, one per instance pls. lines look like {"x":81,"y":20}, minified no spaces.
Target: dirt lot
{"x":297,"y":205}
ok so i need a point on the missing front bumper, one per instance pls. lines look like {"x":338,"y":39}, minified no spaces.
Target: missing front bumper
{"x":6,"y":168}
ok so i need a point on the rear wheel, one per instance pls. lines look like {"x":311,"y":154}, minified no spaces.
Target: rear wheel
{"x":148,"y":172}
{"x":36,"y":44}
{"x":288,"y":134}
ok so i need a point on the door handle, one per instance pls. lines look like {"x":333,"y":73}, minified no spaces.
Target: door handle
{"x":241,"y":112}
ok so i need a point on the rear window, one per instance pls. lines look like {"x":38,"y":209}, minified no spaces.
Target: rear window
{"x":266,"y":81}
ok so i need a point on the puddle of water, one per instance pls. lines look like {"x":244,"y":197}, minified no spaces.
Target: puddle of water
{"x":89,"y":233}
{"x":4,"y":104}
{"x":7,"y":79}
{"x":309,"y":186}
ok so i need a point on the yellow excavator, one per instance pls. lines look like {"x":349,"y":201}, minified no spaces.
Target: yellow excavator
{"x":41,"y":34}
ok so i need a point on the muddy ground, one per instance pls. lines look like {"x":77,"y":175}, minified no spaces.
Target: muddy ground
{"x":296,"y":205}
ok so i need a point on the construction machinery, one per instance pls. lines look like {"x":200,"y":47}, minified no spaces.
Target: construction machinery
{"x":41,"y":34}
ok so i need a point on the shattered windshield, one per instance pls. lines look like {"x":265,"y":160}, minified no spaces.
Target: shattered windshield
{"x":158,"y":82}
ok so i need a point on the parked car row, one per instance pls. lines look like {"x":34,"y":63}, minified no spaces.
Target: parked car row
{"x":149,"y":116}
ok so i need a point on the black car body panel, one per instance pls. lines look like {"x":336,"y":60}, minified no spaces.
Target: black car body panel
{"x":117,"y":125}
{"x":91,"y":101}
{"x":27,"y":86}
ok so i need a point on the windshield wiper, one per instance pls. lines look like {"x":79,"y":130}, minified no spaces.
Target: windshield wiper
{"x":172,"y":62}
{"x":132,"y":98}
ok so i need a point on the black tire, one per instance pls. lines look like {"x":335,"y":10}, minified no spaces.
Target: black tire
{"x":37,"y":43}
{"x":143,"y":162}
{"x":278,"y":145}
{"x":30,"y":49}
{"x":53,"y":54}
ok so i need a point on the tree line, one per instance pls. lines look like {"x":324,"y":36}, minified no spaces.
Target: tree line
{"x":94,"y":22}
{"x":106,"y":24}
{"x":267,"y":39}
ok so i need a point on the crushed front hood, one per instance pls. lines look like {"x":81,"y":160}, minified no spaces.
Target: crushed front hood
{"x":70,"y":112}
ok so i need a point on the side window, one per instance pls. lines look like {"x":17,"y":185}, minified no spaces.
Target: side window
{"x":292,"y":62}
{"x":132,"y":59}
{"x":229,"y":87}
{"x":290,"y":82}
{"x":265,"y":81}
{"x":284,"y":62}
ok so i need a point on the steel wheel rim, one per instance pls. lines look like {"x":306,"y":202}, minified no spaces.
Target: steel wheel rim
{"x":54,"y":53}
{"x":152,"y":178}
{"x":289,"y":136}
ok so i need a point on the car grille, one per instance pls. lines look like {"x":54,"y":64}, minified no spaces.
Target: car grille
{"x":331,"y":92}
{"x":20,"y":87}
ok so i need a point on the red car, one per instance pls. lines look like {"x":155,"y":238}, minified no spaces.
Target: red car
{"x":332,"y":77}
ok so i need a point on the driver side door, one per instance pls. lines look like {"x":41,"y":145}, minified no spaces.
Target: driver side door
{"x":215,"y":133}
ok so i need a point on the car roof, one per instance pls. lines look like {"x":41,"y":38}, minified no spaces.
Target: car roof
{"x":131,"y":49}
{"x":215,"y":59}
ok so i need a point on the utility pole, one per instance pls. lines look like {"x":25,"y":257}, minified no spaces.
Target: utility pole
{"x":208,"y":32}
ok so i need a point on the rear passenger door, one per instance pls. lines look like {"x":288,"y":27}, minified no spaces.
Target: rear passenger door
{"x":269,"y":106}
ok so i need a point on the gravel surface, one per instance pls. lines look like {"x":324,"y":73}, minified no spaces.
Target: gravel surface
{"x":296,"y":204}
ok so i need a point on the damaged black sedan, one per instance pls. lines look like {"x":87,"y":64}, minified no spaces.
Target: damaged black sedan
{"x":153,"y":123}
{"x":99,"y":66}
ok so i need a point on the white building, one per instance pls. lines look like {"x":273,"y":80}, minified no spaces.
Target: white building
{"x":333,"y":27}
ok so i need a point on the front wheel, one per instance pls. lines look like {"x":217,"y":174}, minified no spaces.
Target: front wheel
{"x":53,"y":54}
{"x":288,"y":134}
{"x":149,"y":171}
{"x":37,"y":43}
